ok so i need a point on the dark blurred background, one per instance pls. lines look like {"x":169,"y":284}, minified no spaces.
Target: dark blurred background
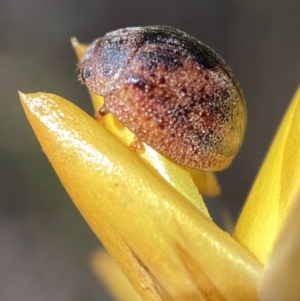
{"x":44,"y":242}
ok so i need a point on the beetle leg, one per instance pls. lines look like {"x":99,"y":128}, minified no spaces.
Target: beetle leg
{"x":137,"y":145}
{"x":101,"y":113}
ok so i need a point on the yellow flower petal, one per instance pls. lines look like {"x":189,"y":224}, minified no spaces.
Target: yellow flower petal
{"x":206,"y":181}
{"x":281,"y":277}
{"x":167,"y":247}
{"x":274,"y":188}
{"x":78,"y":47}
{"x":107,"y":271}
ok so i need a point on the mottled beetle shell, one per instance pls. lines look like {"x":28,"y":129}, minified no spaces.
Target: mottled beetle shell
{"x":173,"y":92}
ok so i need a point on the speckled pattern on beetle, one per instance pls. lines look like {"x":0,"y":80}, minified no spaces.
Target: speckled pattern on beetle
{"x":172,"y":91}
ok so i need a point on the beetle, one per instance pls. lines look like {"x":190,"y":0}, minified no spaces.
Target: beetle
{"x":173,"y":92}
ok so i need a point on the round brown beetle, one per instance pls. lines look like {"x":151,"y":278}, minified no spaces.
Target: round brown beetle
{"x":172,"y":91}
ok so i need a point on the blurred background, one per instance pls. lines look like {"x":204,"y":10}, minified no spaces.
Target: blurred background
{"x":44,"y":242}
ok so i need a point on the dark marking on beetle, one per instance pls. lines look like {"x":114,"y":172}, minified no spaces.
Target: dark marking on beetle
{"x":162,"y":80}
{"x":167,"y":35}
{"x":161,"y":57}
{"x":137,"y":81}
{"x":114,"y":56}
{"x":153,"y":36}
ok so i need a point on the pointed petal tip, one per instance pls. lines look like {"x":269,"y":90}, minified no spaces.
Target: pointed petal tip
{"x":24,"y":99}
{"x":78,"y":47}
{"x":74,"y":42}
{"x":21,"y":95}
